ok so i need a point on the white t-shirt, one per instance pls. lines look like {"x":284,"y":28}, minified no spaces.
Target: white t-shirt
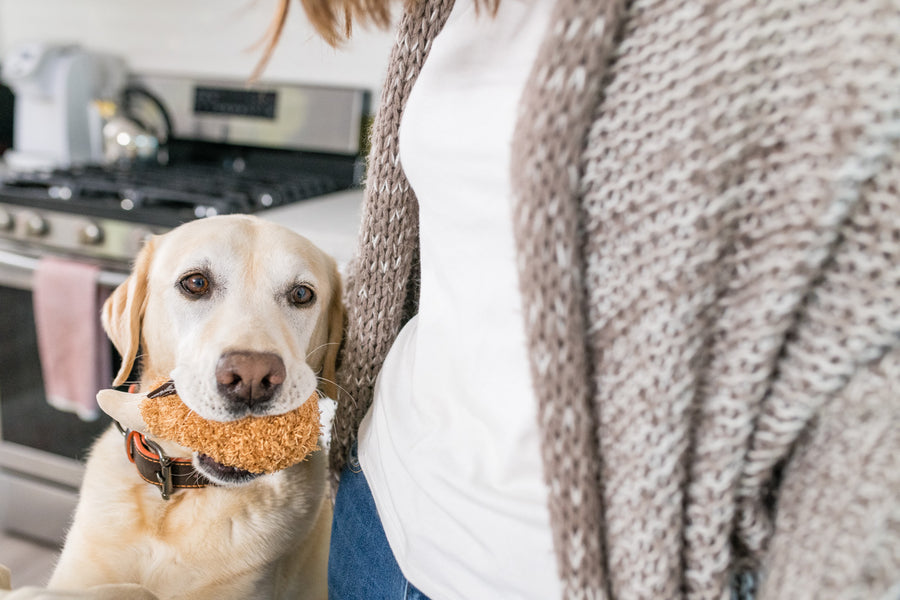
{"x":450,"y":446}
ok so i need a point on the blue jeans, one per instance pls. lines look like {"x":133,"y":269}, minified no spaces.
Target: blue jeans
{"x":361,"y":565}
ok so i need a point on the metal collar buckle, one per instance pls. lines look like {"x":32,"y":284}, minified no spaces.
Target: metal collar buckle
{"x":164,"y":475}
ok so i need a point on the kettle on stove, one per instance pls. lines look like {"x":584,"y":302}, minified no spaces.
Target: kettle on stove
{"x":136,"y":128}
{"x":56,"y":123}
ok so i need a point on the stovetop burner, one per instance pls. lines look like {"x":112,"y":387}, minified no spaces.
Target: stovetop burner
{"x":165,"y":195}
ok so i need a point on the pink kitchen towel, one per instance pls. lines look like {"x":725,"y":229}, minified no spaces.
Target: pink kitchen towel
{"x":74,"y":351}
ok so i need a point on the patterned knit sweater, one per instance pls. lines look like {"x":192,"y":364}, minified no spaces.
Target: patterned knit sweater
{"x":707,"y":218}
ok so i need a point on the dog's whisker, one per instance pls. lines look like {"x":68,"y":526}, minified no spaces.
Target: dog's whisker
{"x":338,"y":386}
{"x":130,"y":382}
{"x":319,"y":347}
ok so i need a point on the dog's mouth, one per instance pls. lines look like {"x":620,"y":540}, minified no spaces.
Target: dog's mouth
{"x":222,"y":474}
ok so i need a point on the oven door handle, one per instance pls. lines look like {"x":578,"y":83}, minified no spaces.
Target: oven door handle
{"x":26,"y":266}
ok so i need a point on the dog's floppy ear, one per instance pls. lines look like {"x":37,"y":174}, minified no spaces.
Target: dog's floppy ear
{"x":123,"y":312}
{"x":336,"y":322}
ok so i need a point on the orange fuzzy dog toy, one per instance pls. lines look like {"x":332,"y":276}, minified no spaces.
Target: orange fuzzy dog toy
{"x":255,"y":444}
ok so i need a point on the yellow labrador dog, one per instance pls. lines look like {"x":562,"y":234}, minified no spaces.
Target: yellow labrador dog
{"x":235,"y":296}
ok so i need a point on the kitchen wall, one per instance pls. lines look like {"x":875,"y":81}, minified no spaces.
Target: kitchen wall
{"x":216,"y":38}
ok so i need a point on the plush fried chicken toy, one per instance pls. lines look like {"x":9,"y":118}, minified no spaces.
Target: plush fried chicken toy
{"x":254,"y":444}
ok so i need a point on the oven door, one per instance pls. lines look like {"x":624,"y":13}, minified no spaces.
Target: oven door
{"x":41,"y":449}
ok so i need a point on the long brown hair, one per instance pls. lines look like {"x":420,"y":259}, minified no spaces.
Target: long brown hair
{"x":333,"y":20}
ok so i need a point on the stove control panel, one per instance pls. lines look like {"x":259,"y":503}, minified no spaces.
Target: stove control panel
{"x":74,"y":235}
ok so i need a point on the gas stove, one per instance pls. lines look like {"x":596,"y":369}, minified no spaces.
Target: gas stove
{"x":106,"y":211}
{"x":165,"y":195}
{"x":225,"y":148}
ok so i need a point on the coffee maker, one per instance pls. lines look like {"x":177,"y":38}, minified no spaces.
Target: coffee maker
{"x":56,"y":87}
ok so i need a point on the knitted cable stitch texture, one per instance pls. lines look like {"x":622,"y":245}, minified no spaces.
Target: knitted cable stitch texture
{"x":707,"y":218}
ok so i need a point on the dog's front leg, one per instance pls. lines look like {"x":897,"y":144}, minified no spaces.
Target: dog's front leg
{"x":100,"y":545}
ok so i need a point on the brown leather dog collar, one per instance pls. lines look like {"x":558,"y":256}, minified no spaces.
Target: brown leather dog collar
{"x":153,"y":466}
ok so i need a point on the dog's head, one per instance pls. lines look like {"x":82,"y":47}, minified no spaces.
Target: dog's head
{"x":244,"y":315}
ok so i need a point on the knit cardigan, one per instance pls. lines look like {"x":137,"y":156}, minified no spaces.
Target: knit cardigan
{"x":707,"y":216}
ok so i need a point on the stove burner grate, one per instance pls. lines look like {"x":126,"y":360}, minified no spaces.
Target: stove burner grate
{"x":166,"y":195}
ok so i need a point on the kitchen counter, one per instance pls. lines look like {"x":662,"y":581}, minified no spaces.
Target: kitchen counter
{"x":331,"y":222}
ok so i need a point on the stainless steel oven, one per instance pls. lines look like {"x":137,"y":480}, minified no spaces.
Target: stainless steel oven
{"x":41,"y":448}
{"x":226,"y":148}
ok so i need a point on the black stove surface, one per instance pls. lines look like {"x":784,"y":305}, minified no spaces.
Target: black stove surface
{"x":168,"y":195}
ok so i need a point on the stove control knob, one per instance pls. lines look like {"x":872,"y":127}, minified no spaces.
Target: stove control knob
{"x":91,"y":234}
{"x":7,"y":222}
{"x":36,"y":225}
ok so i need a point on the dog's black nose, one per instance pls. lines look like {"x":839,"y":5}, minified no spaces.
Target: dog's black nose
{"x":249,"y":378}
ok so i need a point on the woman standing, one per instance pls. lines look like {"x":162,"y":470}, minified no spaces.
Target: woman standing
{"x":624,"y":318}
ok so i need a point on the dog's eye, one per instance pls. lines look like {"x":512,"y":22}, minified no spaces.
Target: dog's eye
{"x":301,"y":295}
{"x":195,"y":284}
